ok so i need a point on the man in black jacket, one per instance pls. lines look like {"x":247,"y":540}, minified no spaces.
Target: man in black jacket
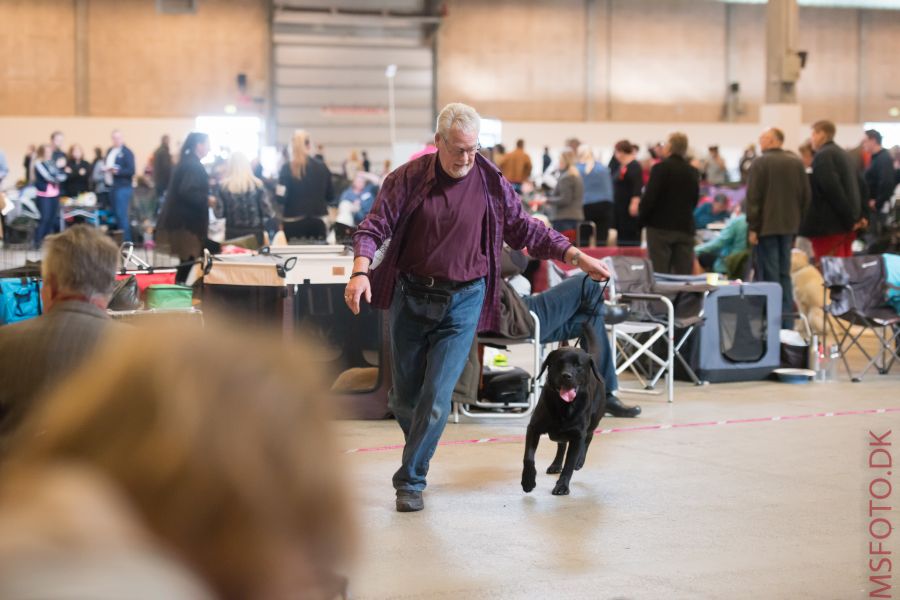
{"x":835,"y":210}
{"x":879,"y":179}
{"x":667,"y":209}
{"x":778,"y":195}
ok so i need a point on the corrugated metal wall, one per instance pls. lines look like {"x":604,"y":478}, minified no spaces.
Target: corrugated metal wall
{"x":329,"y":75}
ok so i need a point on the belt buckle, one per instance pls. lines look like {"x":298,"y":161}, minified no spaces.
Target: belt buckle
{"x":430,"y":283}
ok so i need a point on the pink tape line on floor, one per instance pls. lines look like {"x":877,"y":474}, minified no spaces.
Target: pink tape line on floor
{"x":659,"y":427}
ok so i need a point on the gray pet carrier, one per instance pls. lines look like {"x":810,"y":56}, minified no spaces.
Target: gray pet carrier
{"x":740,"y":339}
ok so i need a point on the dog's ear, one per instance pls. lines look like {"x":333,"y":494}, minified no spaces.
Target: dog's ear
{"x":594,"y":368}
{"x":546,"y":363}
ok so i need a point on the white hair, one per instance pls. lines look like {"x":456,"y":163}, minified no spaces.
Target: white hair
{"x":459,"y":115}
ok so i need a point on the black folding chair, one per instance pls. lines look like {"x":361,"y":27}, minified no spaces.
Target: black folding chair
{"x":858,"y":285}
{"x":657,"y":309}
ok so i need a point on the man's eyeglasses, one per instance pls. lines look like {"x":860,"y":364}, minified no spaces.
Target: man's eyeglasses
{"x":460,"y":152}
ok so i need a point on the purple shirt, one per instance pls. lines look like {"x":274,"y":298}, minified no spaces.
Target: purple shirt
{"x":446,"y":233}
{"x":402,"y":193}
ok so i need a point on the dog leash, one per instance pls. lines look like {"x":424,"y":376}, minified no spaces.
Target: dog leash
{"x":593,"y":312}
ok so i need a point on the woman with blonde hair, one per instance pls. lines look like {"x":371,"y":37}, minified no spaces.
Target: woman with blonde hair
{"x":598,"y":193}
{"x":568,"y":198}
{"x":305,"y":190}
{"x":244,"y":201}
{"x":352,"y":166}
{"x":172,"y":464}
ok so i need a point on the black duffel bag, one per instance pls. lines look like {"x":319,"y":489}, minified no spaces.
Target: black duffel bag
{"x":506,"y":386}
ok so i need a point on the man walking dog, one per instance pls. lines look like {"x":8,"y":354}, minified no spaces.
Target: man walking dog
{"x":445,"y":216}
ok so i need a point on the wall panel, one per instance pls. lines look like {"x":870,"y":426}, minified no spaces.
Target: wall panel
{"x":668,"y":60}
{"x":179,"y":65}
{"x":37,"y":42}
{"x":635,"y":60}
{"x":139,"y":62}
{"x":747,"y":56}
{"x":880,"y":51}
{"x":828,"y":87}
{"x":514,"y":59}
{"x":661,"y":60}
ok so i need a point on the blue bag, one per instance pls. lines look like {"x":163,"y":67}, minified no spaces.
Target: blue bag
{"x":892,"y":277}
{"x":20,"y":299}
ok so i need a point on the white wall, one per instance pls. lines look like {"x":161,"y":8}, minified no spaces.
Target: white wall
{"x":141,"y":135}
{"x":732,"y":138}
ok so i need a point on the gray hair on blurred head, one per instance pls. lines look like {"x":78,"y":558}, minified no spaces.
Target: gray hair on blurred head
{"x":81,"y":260}
{"x":459,"y":115}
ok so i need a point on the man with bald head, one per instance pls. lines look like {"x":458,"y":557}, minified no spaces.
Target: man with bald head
{"x":778,"y":194}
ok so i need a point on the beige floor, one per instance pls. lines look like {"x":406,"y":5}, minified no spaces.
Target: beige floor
{"x":769,"y":509}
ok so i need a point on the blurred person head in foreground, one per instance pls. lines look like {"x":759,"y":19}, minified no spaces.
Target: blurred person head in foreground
{"x":208,"y":452}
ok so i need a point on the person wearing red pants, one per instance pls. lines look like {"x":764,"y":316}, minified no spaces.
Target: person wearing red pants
{"x":835,"y":209}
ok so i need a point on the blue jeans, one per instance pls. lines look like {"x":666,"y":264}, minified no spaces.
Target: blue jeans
{"x":565,"y":308}
{"x":429,"y":344}
{"x":773,"y":263}
{"x":121,"y":201}
{"x":49,"y":209}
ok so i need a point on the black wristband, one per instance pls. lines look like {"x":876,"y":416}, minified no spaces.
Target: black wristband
{"x":358,"y":273}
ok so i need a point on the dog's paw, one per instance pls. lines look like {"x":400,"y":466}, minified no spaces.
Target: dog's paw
{"x":561,"y":489}
{"x":528,"y":478}
{"x":528,"y":484}
{"x":554,"y":469}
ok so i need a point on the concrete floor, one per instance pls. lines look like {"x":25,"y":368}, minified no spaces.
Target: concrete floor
{"x":762,"y":510}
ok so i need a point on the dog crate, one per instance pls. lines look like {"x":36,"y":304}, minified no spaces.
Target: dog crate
{"x":740,"y":339}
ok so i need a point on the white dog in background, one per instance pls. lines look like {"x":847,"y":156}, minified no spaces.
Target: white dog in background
{"x":808,"y":284}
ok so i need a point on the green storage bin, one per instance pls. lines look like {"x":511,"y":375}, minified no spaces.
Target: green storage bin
{"x":164,"y":296}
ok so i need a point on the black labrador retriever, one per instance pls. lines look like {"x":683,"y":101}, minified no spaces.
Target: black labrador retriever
{"x":570,"y":408}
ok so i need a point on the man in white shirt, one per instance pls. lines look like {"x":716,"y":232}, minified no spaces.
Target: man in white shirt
{"x":118,"y":171}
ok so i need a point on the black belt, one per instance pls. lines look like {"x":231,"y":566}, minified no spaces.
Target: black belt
{"x":437,"y":284}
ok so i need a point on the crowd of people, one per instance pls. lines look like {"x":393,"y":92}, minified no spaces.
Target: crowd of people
{"x":304,"y":199}
{"x":694,"y":220}
{"x":660,"y":191}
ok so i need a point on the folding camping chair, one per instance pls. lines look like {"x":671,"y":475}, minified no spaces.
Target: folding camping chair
{"x":507,"y":410}
{"x":654,"y":316}
{"x":858,"y":285}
